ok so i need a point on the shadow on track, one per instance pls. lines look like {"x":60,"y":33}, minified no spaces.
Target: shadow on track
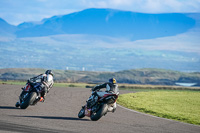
{"x":12,"y":127}
{"x":8,"y":107}
{"x":58,"y":118}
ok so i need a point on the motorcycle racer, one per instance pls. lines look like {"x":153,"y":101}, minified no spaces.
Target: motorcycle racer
{"x":43,"y":83}
{"x":111,"y":87}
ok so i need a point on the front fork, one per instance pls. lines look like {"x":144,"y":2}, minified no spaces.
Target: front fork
{"x":23,"y":96}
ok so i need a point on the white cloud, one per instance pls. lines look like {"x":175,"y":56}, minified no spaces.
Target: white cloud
{"x":157,"y":6}
{"x":121,"y":2}
{"x":149,"y":6}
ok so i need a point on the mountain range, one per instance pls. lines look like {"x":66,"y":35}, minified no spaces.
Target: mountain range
{"x":106,"y":22}
{"x":103,"y":40}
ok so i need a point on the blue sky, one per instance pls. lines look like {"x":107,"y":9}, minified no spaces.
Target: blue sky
{"x":18,"y":11}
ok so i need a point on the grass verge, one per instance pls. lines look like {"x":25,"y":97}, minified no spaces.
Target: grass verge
{"x":183,"y":106}
{"x":131,"y":87}
{"x":81,"y":85}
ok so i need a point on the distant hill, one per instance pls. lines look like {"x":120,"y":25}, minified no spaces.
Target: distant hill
{"x":110,"y":22}
{"x":134,"y":76}
{"x":103,"y":40}
{"x":7,"y":29}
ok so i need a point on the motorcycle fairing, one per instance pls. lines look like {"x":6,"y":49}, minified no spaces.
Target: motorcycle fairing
{"x":109,"y":98}
{"x":87,"y":112}
{"x":27,"y":87}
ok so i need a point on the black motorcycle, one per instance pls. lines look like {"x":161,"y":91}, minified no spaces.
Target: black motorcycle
{"x":100,"y":108}
{"x":30,"y":95}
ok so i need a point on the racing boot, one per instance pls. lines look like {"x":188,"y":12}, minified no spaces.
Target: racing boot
{"x":42,"y":99}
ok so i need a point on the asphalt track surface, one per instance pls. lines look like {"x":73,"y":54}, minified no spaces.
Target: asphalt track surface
{"x":58,"y":114}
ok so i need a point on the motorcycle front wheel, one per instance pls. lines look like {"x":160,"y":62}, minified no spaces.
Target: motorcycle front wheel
{"x":102,"y":111}
{"x":29,"y":100}
{"x":81,"y":113}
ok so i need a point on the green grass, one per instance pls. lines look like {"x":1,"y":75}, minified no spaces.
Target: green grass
{"x":177,"y":105}
{"x":81,"y":85}
{"x":131,"y":87}
{"x":13,"y":82}
{"x":138,"y":87}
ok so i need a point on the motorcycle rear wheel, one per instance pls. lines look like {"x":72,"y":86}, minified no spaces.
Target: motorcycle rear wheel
{"x":102,"y":111}
{"x":29,"y":100}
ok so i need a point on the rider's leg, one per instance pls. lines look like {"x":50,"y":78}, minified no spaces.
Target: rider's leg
{"x":114,"y":107}
{"x":111,"y":108}
{"x":41,"y":89}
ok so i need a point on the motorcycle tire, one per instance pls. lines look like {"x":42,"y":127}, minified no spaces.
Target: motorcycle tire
{"x":17,"y":104}
{"x":81,"y":113}
{"x":29,"y":100}
{"x":102,"y":111}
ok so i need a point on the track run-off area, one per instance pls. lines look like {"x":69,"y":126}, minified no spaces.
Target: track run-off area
{"x":59,"y":114}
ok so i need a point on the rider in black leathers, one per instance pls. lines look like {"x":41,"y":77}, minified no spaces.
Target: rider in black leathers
{"x":43,"y":82}
{"x":111,"y":87}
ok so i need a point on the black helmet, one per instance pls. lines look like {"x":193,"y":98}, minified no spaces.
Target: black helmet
{"x":49,"y":72}
{"x":113,"y":80}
